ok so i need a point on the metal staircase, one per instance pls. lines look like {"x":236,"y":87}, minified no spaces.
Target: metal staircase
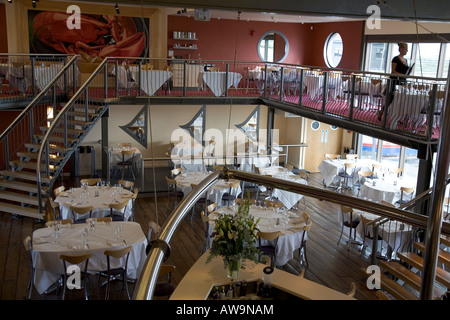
{"x":46,"y":143}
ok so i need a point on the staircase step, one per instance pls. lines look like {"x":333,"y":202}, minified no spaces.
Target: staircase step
{"x":23,"y":186}
{"x":443,"y":256}
{"x":445,"y":240}
{"x":22,"y":211}
{"x":394,"y":288}
{"x":31,"y":176}
{"x":20,"y":197}
{"x":416,"y":261}
{"x":58,"y":139}
{"x":30,"y":165}
{"x":53,"y":147}
{"x":410,"y":278}
{"x":82,"y":113}
{"x":34,"y":155}
{"x":75,"y":132}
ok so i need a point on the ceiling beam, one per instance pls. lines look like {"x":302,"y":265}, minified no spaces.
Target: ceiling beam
{"x":420,"y":10}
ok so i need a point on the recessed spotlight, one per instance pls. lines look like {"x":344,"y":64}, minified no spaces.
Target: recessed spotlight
{"x":117,"y":8}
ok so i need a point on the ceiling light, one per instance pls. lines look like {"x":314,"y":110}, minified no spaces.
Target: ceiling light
{"x":117,"y":9}
{"x":33,"y":3}
{"x":10,"y":1}
{"x":182,"y":11}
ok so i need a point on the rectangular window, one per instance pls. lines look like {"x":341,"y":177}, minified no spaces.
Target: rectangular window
{"x":427,"y":59}
{"x":376,"y":57}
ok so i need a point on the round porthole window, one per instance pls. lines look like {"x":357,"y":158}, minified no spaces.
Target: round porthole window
{"x":333,"y":50}
{"x":315,"y":125}
{"x":333,"y":127}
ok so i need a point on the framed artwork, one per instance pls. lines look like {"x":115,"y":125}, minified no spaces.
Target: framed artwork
{"x":99,"y":36}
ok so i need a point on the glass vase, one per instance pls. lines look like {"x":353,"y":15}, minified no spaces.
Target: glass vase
{"x":233,"y":267}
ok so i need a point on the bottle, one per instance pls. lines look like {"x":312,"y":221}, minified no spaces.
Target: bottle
{"x":216,"y":294}
{"x":222,"y":293}
{"x":230,"y":292}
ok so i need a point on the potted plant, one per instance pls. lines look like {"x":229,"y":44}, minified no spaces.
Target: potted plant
{"x":235,"y":240}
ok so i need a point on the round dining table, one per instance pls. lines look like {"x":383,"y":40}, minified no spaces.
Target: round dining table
{"x":48,"y":244}
{"x":384,"y":190}
{"x":215,"y":193}
{"x":290,"y":223}
{"x":100,"y":197}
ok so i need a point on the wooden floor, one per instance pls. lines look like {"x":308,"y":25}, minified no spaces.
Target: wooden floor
{"x":332,"y":265}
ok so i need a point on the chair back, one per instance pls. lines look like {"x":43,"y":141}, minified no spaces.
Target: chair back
{"x":211,"y":207}
{"x":76,"y":258}
{"x":331,"y":156}
{"x":351,"y":156}
{"x":91,"y":182}
{"x":365,"y":173}
{"x":289,"y":167}
{"x":62,"y":221}
{"x":269,"y":236}
{"x":100,"y":219}
{"x":119,"y":206}
{"x":171,"y":182}
{"x":81,"y":210}
{"x":152,"y":227}
{"x":273,"y":204}
{"x":118,"y":253}
{"x":58,"y":190}
{"x":303,"y":174}
{"x":126,"y":184}
{"x":27,"y":243}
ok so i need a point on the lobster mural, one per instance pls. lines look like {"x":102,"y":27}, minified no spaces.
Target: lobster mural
{"x":100,"y":36}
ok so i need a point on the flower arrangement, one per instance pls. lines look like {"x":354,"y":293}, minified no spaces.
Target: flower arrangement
{"x":235,"y":239}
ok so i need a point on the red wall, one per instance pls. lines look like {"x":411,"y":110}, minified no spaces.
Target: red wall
{"x":351,"y":33}
{"x":237,"y":40}
{"x":3,"y":35}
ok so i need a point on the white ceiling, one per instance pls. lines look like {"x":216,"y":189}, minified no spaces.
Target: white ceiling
{"x":256,"y":16}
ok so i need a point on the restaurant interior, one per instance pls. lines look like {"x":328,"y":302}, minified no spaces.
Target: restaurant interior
{"x":132,"y":129}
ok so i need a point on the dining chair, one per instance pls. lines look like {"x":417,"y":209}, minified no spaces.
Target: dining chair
{"x":381,"y":295}
{"x":302,"y":249}
{"x":351,"y":156}
{"x":273,"y":204}
{"x":79,"y":213}
{"x":127,"y":162}
{"x":164,"y":288}
{"x":404,"y":191}
{"x":228,"y":197}
{"x":113,"y":273}
{"x":203,"y":200}
{"x":352,"y":291}
{"x":376,"y":168}
{"x":269,"y":249}
{"x":348,"y":222}
{"x":378,"y":98}
{"x":126,"y":184}
{"x":53,"y":211}
{"x":345,"y":176}
{"x":100,"y":219}
{"x":28,"y":246}
{"x":173,"y":193}
{"x":90,"y":182}
{"x":76,"y":259}
{"x":396,"y":171}
{"x":61,"y":221}
{"x":331,"y":156}
{"x":368,"y":233}
{"x":362,"y":177}
{"x":241,"y":201}
{"x":117,"y":210}
{"x":58,"y":190}
{"x":175,"y":172}
{"x":304,"y":174}
{"x":133,"y":204}
{"x":289,"y":167}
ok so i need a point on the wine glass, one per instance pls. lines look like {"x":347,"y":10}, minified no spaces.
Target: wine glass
{"x":84,"y":236}
{"x":118,"y":231}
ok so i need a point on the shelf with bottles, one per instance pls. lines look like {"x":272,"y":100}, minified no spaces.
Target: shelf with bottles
{"x":187,"y":47}
{"x":178,"y":35}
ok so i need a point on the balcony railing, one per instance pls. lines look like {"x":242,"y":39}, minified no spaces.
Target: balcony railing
{"x":410,"y":107}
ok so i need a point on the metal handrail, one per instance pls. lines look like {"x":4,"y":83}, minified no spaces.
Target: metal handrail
{"x":160,"y":248}
{"x":55,"y":122}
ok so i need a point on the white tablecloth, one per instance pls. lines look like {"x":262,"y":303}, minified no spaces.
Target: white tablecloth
{"x":216,"y":81}
{"x":289,"y":223}
{"x":46,"y":253}
{"x":106,"y":196}
{"x":115,"y":156}
{"x":152,"y":80}
{"x":408,"y":106}
{"x":385,"y":190}
{"x":314,"y":85}
{"x":396,"y":235}
{"x":214,"y":194}
{"x":188,"y":157}
{"x":330,"y":170}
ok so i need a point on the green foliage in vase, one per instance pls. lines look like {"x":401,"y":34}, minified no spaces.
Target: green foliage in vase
{"x":235,"y":237}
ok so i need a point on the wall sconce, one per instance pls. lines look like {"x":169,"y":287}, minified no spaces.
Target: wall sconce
{"x":117,"y":8}
{"x":33,"y":3}
{"x":10,"y":1}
